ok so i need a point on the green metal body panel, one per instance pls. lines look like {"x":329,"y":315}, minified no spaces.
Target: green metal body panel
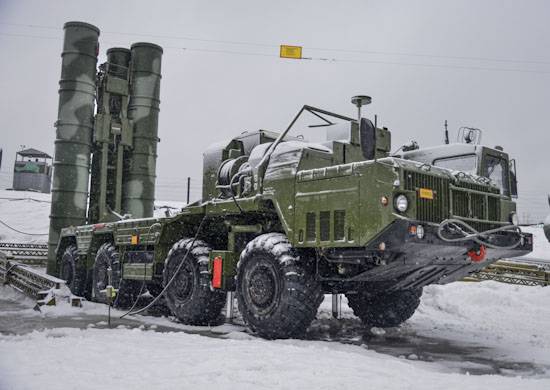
{"x":137,"y":271}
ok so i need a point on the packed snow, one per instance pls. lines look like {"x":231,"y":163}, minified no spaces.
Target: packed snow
{"x":466,"y":328}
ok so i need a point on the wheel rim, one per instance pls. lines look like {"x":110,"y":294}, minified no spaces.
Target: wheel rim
{"x":184,"y":283}
{"x":102,"y":277}
{"x":261,"y":287}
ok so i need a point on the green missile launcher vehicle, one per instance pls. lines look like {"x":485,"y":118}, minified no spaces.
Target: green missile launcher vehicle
{"x":283,"y":221}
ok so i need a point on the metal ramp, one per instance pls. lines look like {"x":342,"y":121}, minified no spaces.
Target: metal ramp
{"x":42,"y":287}
{"x":514,"y":272}
{"x":31,"y":254}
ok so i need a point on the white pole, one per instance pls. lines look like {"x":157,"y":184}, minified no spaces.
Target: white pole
{"x":229,"y":306}
{"x":336,"y":306}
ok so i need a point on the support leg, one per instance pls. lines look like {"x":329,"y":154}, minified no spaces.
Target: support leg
{"x":336,"y":306}
{"x":229,"y":306}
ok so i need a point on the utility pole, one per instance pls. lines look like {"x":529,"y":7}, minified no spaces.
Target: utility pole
{"x":188,"y":188}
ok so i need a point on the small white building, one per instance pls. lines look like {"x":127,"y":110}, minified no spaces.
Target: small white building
{"x":32,"y":171}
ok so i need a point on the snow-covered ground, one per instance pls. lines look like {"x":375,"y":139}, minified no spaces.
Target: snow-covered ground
{"x":541,"y":246}
{"x":464,"y":335}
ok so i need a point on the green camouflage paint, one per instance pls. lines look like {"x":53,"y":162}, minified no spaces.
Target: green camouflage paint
{"x":139,"y":176}
{"x":74,"y":132}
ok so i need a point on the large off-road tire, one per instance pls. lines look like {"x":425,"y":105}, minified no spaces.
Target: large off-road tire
{"x":277,"y":293}
{"x":190,"y":296}
{"x":108,"y":256}
{"x":72,"y":271}
{"x":385,"y":310}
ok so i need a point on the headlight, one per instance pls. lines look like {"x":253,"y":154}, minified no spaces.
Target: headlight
{"x":514,"y":218}
{"x":401,"y":203}
{"x":420,"y":231}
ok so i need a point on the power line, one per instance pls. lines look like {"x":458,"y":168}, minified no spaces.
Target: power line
{"x":271,"y":45}
{"x":19,"y":231}
{"x":332,"y":60}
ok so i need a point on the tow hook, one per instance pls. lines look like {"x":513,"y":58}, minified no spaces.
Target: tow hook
{"x":477,"y":256}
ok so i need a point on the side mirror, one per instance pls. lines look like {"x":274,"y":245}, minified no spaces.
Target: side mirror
{"x":513,"y":179}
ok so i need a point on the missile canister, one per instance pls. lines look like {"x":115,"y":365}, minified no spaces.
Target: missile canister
{"x":138,"y":193}
{"x":74,"y":132}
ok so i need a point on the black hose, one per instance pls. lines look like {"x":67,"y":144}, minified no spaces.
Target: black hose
{"x":232,"y":191}
{"x":145,"y":272}
{"x":130,"y":312}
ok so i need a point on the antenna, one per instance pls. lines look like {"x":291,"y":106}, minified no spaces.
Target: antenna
{"x":359,"y":101}
{"x":446,"y":133}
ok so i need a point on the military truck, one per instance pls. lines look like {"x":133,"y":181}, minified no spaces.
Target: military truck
{"x":281,"y":221}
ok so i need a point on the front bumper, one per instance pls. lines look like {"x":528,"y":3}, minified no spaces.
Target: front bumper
{"x":413,"y":262}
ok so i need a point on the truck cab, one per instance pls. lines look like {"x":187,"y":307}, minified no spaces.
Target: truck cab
{"x":470,"y":159}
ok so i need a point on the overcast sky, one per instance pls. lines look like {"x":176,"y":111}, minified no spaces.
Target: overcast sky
{"x":477,"y":63}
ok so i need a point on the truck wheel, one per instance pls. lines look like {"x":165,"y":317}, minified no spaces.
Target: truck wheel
{"x":277,"y":293}
{"x":189,"y":296}
{"x":106,"y":256}
{"x":385,"y":310}
{"x":128,"y":290}
{"x":72,"y":271}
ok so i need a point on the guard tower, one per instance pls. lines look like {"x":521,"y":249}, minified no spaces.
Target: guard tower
{"x":32,"y":171}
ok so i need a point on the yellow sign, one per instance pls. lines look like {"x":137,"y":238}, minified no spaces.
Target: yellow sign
{"x":426,"y":193}
{"x":294,"y":52}
{"x":134,"y":240}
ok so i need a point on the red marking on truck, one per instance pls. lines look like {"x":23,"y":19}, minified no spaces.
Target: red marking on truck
{"x":476,"y":256}
{"x":217,"y":270}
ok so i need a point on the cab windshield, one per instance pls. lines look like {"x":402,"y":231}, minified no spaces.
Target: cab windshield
{"x":495,"y":168}
{"x":465,"y":163}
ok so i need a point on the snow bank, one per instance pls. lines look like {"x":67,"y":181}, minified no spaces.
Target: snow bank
{"x":511,"y":319}
{"x":541,"y":246}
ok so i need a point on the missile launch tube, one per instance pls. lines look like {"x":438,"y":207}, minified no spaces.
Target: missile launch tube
{"x":138,"y":194}
{"x":74,"y":129}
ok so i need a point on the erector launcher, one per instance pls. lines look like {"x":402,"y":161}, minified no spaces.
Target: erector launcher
{"x":106,"y":133}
